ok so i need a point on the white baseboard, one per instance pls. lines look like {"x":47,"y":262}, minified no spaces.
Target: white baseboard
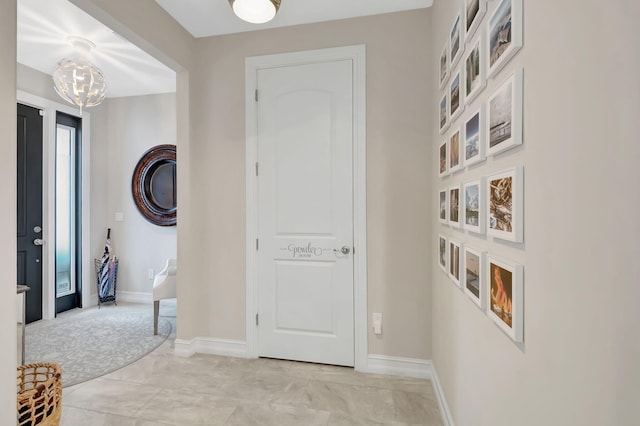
{"x":447,"y":417}
{"x":397,"y":366}
{"x":207,"y":345}
{"x":134,"y":297}
{"x":411,"y":367}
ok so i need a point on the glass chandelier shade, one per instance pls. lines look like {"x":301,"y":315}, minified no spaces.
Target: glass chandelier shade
{"x":78,"y":81}
{"x":255,"y":11}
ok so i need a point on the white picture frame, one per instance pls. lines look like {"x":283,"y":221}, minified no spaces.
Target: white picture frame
{"x":473,"y":276}
{"x":504,"y":115}
{"x":456,"y":95}
{"x":456,"y":41}
{"x":504,"y":205}
{"x":444,"y":66}
{"x":443,"y":253}
{"x":475,"y":75}
{"x":505,"y":301}
{"x":474,"y":137}
{"x":474,"y":11}
{"x":443,"y":158}
{"x":455,"y":151}
{"x":455,"y":216}
{"x":504,"y":35}
{"x":455,"y":261}
{"x":473,"y":210}
{"x":443,"y":206}
{"x":443,"y":113}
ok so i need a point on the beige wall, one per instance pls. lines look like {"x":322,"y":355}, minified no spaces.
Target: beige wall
{"x":8,"y":215}
{"x":37,"y":83}
{"x":398,"y":118}
{"x":136,"y":124}
{"x":579,"y":361}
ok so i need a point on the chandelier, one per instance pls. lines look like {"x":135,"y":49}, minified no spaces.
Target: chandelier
{"x":255,"y":11}
{"x":77,"y":80}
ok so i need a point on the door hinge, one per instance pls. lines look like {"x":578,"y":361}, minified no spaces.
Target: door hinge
{"x":256,"y":168}
{"x":41,"y":112}
{"x":257,"y":244}
{"x":256,"y":94}
{"x":257,"y":321}
{"x":354,"y":249}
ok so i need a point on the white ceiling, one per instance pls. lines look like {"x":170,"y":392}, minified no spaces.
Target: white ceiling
{"x":44,"y":25}
{"x":43,"y":28}
{"x":204,"y":18}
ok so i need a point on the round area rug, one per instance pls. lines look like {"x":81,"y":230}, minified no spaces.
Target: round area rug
{"x":93,"y":345}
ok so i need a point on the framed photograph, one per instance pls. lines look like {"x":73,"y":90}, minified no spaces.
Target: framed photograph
{"x":444,"y":113}
{"x":444,"y":158}
{"x":504,"y":193}
{"x":456,"y":102}
{"x":454,"y":206}
{"x":474,"y":10}
{"x":505,"y":296}
{"x":504,"y":115}
{"x":473,"y":276}
{"x":456,"y":42}
{"x":455,"y":261}
{"x":473,"y":213}
{"x":504,"y":34}
{"x":443,"y":206}
{"x":444,"y":65}
{"x":474,"y":137}
{"x":443,"y":253}
{"x":474,"y":70}
{"x":455,"y":152}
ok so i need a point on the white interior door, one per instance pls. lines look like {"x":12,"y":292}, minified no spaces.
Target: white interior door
{"x":305,"y":213}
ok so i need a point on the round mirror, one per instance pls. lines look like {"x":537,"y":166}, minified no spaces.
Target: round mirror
{"x":154,"y":185}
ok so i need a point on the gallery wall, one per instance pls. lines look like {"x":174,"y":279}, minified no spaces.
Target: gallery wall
{"x":578,"y":361}
{"x":398,"y":206}
{"x":8,"y":137}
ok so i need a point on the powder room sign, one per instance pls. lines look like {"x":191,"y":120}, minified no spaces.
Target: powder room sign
{"x":308,"y":251}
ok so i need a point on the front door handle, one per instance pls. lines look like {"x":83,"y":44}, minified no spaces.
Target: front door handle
{"x":343,"y":250}
{"x":38,"y":242}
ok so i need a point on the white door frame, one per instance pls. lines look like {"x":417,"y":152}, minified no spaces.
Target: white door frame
{"x":252,"y":65}
{"x":49,"y":109}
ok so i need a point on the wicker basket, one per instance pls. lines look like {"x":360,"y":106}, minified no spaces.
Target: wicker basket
{"x":39,"y":394}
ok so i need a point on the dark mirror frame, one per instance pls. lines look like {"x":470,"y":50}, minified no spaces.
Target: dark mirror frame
{"x":141,"y":185}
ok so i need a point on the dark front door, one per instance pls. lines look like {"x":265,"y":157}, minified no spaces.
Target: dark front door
{"x":29,"y":211}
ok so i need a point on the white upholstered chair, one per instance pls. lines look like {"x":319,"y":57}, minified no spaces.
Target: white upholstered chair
{"x":164,"y":287}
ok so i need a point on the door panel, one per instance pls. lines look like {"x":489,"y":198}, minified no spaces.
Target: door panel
{"x":302,"y":301}
{"x":305,"y":210}
{"x":29,"y":208}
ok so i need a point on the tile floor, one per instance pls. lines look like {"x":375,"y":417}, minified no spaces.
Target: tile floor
{"x":162,"y":389}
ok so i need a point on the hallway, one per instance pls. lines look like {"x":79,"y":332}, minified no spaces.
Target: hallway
{"x":162,"y":389}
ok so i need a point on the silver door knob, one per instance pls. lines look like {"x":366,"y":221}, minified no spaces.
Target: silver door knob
{"x":343,"y":250}
{"x":38,"y":242}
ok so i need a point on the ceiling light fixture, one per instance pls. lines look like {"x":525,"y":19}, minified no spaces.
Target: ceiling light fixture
{"x":255,"y":11}
{"x":77,"y":80}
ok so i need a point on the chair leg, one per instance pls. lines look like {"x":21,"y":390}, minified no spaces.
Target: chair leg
{"x":156,"y":312}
